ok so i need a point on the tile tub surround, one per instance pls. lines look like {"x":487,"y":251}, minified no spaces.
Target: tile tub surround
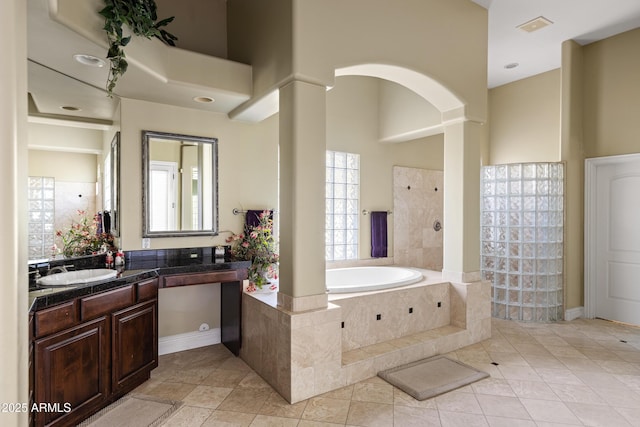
{"x":418,"y":201}
{"x":301,"y":354}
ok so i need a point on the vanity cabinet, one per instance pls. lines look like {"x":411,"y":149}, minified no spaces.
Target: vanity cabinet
{"x":92,"y":350}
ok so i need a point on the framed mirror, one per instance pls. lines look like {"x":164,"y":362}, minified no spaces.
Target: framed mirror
{"x":179,"y":185}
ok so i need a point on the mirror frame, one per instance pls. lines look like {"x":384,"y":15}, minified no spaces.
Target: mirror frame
{"x":146,"y":232}
{"x":115,"y":185}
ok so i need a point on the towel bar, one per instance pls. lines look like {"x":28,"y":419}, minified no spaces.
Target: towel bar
{"x":237,"y":211}
{"x":366,"y":212}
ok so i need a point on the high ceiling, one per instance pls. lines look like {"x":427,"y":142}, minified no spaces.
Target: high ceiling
{"x":583,"y":21}
{"x":56,"y":81}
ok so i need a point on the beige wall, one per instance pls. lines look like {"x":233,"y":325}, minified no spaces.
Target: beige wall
{"x":352,"y":126}
{"x":248,"y":170}
{"x":525,"y":120}
{"x":63,"y":166}
{"x":64,"y":138}
{"x":612,"y":96}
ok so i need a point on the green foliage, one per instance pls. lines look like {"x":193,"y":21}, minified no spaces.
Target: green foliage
{"x":140,"y":16}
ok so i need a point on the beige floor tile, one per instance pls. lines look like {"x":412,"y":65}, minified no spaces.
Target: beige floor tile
{"x":326,"y":409}
{"x":576,"y":393}
{"x":277,"y":406}
{"x":550,"y":411}
{"x":461,"y":419}
{"x":270,"y":421}
{"x":558,"y":376}
{"x":205,"y":396}
{"x":228,"y":419}
{"x":245,"y":400}
{"x":342,"y":393}
{"x":494,"y":387}
{"x":400,"y":398}
{"x":188,"y":416}
{"x":171,"y":391}
{"x":370,"y":414}
{"x":547,"y":375}
{"x":598,"y":416}
{"x":225,"y":378}
{"x":458,"y":402}
{"x":532,"y":389}
{"x":519,"y":373}
{"x":509,"y":422}
{"x":373,"y":392}
{"x":500,"y":406}
{"x":407,"y":416}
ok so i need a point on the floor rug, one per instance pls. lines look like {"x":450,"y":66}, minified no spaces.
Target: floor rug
{"x":430,"y":377}
{"x":133,"y":411}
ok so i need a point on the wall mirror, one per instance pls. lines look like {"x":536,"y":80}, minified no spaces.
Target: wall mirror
{"x":179,"y":185}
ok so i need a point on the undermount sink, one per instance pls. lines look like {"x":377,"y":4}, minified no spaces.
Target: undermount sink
{"x":77,"y":277}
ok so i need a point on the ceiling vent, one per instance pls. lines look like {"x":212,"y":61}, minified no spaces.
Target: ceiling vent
{"x":535,"y":24}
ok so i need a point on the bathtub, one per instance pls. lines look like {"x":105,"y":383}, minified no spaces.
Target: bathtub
{"x":363,"y":279}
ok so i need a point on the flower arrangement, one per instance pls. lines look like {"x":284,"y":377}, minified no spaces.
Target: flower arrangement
{"x":82,"y":237}
{"x":257,"y":245}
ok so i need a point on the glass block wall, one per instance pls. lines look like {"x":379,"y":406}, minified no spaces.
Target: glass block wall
{"x":522,"y":210}
{"x":41,"y":216}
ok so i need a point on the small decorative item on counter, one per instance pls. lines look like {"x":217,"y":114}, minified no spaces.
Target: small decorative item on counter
{"x":219,"y":252}
{"x":109,"y":260}
{"x":119,"y":258}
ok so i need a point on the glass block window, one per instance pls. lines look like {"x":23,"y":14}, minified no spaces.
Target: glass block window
{"x":342,"y":201}
{"x":41,"y":199}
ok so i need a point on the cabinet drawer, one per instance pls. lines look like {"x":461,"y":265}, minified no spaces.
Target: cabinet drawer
{"x":56,"y":318}
{"x":201,"y":278}
{"x":147,"y":290}
{"x":104,"y":303}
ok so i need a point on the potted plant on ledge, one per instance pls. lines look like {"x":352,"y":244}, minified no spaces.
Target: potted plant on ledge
{"x":256,"y":244}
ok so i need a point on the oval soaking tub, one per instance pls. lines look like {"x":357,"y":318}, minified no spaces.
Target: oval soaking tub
{"x":363,"y":279}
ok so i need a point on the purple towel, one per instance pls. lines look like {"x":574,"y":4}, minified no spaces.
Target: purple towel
{"x":378,"y":234}
{"x":252,"y":218}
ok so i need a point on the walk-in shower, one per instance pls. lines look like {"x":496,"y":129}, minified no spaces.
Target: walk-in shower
{"x":522,"y":212}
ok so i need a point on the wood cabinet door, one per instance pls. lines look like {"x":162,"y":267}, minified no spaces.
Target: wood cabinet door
{"x":71,"y":373}
{"x":134,"y":345}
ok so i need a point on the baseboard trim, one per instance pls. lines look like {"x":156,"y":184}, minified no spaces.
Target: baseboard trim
{"x":188,"y":340}
{"x":573,"y":313}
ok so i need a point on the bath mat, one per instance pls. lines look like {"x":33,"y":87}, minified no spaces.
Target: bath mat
{"x":133,"y":411}
{"x":430,"y":377}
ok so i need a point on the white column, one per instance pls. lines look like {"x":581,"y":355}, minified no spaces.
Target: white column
{"x":302,"y":189}
{"x":462,"y":148}
{"x":13,"y":254}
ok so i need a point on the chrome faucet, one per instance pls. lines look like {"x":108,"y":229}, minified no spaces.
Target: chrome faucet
{"x":59,"y":269}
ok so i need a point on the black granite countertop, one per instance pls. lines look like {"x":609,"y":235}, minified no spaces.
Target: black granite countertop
{"x":139,"y":265}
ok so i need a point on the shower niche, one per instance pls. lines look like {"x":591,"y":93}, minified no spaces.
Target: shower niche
{"x":522,"y":214}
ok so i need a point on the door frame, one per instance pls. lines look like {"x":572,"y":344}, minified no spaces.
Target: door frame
{"x":591,"y":227}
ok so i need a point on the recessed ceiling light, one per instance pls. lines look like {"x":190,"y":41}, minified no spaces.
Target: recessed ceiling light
{"x":203,"y":99}
{"x":70,"y":108}
{"x":511,"y":65}
{"x":534,"y":24}
{"x":89,"y":60}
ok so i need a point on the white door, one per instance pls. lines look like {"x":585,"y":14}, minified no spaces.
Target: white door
{"x":162,"y":195}
{"x":615,"y":243}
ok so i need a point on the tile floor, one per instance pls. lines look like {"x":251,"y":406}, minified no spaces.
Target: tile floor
{"x":584,"y":372}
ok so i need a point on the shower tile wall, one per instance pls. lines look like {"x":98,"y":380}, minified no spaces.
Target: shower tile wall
{"x":522,"y":239}
{"x":70,"y":198}
{"x":417,"y":205}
